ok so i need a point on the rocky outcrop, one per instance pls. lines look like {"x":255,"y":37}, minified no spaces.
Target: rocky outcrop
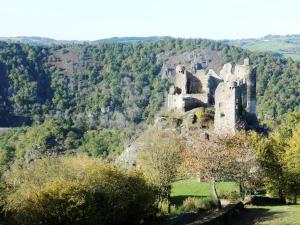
{"x":193,"y":61}
{"x":190,"y":126}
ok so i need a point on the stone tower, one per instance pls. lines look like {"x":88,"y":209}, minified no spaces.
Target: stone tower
{"x":243,"y":72}
{"x":228,"y":107}
{"x":235,"y":99}
{"x":181,"y":80}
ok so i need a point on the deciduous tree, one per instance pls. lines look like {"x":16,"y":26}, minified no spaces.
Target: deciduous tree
{"x":214,"y":160}
{"x":292,"y":163}
{"x":159,"y":158}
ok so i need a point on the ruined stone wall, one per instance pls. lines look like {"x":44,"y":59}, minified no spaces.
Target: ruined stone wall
{"x":251,"y":92}
{"x":230,"y":105}
{"x":213,"y":83}
{"x":242,"y":72}
{"x":190,"y":102}
{"x":203,"y":98}
{"x":225,"y":108}
{"x":175,"y":103}
{"x":181,"y":79}
{"x":194,"y":84}
{"x":232,"y":92}
{"x":226,"y":72}
{"x":182,"y":103}
{"x":204,"y":80}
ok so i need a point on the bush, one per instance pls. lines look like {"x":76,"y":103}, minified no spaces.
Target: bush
{"x":207,"y":203}
{"x":76,"y":190}
{"x":233,"y":195}
{"x":59,"y":202}
{"x":193,"y":204}
{"x":190,"y":204}
{"x":230,"y":195}
{"x":204,"y":117}
{"x":200,"y":113}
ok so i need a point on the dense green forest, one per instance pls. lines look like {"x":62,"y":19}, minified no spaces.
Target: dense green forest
{"x":91,"y":98}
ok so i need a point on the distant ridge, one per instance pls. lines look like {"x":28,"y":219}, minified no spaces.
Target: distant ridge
{"x":35,"y":40}
{"x":131,"y":39}
{"x":279,"y":45}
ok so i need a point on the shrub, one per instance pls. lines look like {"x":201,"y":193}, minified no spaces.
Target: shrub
{"x":207,"y":203}
{"x":164,"y":209}
{"x":59,"y":202}
{"x":190,"y":204}
{"x":233,"y":195}
{"x":76,"y":190}
{"x":200,"y":113}
{"x":230,"y":195}
{"x":193,"y":204}
{"x":204,"y":117}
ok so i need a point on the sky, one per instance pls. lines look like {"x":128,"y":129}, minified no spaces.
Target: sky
{"x":97,"y":19}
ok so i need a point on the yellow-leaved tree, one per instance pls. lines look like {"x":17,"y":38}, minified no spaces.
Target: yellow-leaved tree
{"x":159,"y":158}
{"x":292,"y":163}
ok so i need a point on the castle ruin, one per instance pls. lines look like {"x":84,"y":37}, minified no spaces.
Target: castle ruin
{"x":232,"y":93}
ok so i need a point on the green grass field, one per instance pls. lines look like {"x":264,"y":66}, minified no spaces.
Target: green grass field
{"x":292,"y":55}
{"x":185,"y":188}
{"x":252,"y":215}
{"x":286,"y":49}
{"x":269,"y":215}
{"x":262,"y":46}
{"x":288,"y":45}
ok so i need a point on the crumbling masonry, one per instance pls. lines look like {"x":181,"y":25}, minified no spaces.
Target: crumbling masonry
{"x":232,"y":93}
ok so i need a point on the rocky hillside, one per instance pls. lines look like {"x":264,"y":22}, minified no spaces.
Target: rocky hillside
{"x":190,"y":126}
{"x":122,"y":85}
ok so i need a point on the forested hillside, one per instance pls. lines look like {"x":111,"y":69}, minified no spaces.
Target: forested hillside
{"x":93,"y":98}
{"x":119,"y":85}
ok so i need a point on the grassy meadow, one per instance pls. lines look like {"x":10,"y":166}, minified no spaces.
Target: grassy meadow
{"x":284,"y":48}
{"x":258,"y":215}
{"x":192,"y":188}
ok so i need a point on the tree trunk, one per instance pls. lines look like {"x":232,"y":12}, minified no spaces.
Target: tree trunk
{"x":169,"y":199}
{"x":160,"y":203}
{"x":169,"y":205}
{"x":295,"y":198}
{"x":245,"y":194}
{"x":241,"y":191}
{"x":215,"y":194}
{"x":199,"y":178}
{"x":281,"y":196}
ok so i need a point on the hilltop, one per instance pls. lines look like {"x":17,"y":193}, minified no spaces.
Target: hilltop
{"x":278,"y":45}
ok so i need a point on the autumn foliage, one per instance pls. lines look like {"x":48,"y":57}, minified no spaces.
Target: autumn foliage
{"x":219,"y":159}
